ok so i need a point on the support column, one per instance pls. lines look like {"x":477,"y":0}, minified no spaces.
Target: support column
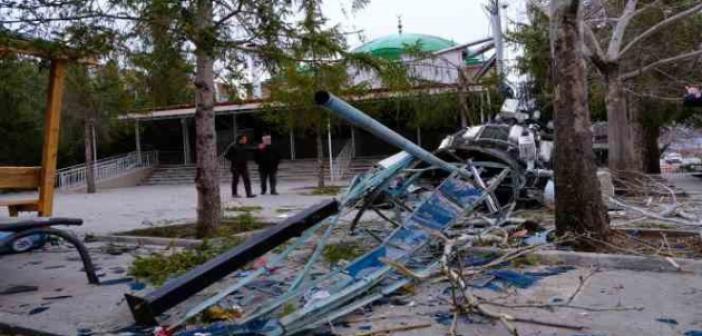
{"x":94,"y":142}
{"x":235,"y":127}
{"x":331,"y":159}
{"x":52,"y":119}
{"x":186,"y":140}
{"x":137,"y":139}
{"x":353,"y":141}
{"x":94,"y":135}
{"x":292,"y":143}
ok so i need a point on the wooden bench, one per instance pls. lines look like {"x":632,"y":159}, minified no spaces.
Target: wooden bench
{"x":21,"y":178}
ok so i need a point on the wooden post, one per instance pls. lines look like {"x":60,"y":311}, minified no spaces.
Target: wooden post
{"x":137,"y":139}
{"x":52,"y":120}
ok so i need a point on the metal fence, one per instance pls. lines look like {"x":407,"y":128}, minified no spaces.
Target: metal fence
{"x":341,"y":162}
{"x":76,"y":176}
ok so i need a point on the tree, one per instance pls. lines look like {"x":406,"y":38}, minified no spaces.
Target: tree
{"x":579,"y":207}
{"x":611,"y":63}
{"x":165,"y":73}
{"x":212,"y":28}
{"x":94,"y":97}
{"x":619,"y":64}
{"x":21,"y":120}
{"x":316,"y":60}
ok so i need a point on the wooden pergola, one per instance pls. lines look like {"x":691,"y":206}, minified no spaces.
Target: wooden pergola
{"x":41,"y":178}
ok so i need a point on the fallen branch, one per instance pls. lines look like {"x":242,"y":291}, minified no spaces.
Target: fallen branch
{"x":583,"y":280}
{"x":551,"y":306}
{"x":653,"y":214}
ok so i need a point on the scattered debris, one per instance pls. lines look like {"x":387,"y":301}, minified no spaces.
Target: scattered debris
{"x":58,"y":297}
{"x":427,"y":211}
{"x":14,"y":289}
{"x":667,"y":320}
{"x":116,"y":281}
{"x":38,"y":310}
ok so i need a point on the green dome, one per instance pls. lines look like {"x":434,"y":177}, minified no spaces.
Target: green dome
{"x":393,"y":46}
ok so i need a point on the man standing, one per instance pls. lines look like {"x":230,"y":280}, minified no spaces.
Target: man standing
{"x":693,"y":98}
{"x":239,"y":157}
{"x":267,"y":158}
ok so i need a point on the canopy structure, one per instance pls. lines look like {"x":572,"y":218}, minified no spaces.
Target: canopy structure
{"x":42,"y":178}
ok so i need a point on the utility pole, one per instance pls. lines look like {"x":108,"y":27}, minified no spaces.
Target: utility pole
{"x":496,"y":21}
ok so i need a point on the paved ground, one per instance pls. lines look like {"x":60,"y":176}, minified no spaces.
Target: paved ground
{"x":663,"y":295}
{"x":64,"y":302}
{"x":123,"y":209}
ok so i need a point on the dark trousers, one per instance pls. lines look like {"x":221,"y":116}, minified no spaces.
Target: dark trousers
{"x":244,"y":173}
{"x":267,"y":176}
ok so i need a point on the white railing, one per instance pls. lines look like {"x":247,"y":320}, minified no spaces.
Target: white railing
{"x":342,"y":162}
{"x":76,"y":176}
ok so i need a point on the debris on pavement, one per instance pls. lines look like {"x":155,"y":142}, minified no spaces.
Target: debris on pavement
{"x":414,"y":218}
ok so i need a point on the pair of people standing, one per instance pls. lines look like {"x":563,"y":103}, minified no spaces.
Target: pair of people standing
{"x":265,"y":155}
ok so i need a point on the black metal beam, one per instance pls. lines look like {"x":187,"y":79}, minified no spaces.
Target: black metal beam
{"x":145,"y":309}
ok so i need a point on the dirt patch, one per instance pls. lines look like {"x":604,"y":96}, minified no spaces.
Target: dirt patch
{"x":679,"y":244}
{"x":230,"y":225}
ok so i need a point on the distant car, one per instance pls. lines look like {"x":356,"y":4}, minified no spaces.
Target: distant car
{"x":674,"y":158}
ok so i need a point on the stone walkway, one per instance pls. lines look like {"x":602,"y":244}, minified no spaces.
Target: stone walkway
{"x":114,"y":210}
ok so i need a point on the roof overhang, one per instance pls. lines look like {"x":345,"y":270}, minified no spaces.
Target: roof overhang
{"x":256,"y":106}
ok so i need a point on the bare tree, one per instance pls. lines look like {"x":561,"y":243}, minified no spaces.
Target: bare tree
{"x":623,"y":154}
{"x":579,"y":207}
{"x":610,"y":44}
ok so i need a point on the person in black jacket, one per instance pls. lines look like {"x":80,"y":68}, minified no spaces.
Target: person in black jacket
{"x":267,"y":158}
{"x":239,"y":157}
{"x":693,"y":97}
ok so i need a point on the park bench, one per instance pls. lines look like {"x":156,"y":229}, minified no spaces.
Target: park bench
{"x":23,"y":178}
{"x":21,"y":227}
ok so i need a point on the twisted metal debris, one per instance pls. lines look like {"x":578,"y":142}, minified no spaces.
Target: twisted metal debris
{"x":476,"y":176}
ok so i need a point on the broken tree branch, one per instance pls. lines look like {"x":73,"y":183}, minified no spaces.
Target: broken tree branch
{"x":660,"y":25}
{"x":632,"y":74}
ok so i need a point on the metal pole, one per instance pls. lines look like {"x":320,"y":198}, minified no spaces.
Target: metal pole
{"x":353,"y":141}
{"x":482,"y":107}
{"x":419,"y":136}
{"x":92,"y":130}
{"x":137,"y":139}
{"x":331,"y":159}
{"x":292,"y":143}
{"x":186,"y":140}
{"x":496,"y":21}
{"x":360,"y":119}
{"x":235,"y":127}
{"x":92,"y":126}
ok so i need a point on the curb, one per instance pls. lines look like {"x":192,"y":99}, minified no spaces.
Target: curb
{"x":158,"y":241}
{"x":612,"y":261}
{"x":139,"y":240}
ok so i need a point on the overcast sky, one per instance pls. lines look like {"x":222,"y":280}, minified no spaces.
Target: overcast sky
{"x":457,"y":20}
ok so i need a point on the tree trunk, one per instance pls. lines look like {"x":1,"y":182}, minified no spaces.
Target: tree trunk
{"x":207,"y":174}
{"x":89,"y":164}
{"x":651,"y":152}
{"x":620,"y":133}
{"x":320,"y":158}
{"x":579,"y":207}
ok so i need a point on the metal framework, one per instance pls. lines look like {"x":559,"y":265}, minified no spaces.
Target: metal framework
{"x":429,"y":195}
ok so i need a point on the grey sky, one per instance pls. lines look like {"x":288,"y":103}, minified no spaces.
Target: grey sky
{"x":458,"y":20}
